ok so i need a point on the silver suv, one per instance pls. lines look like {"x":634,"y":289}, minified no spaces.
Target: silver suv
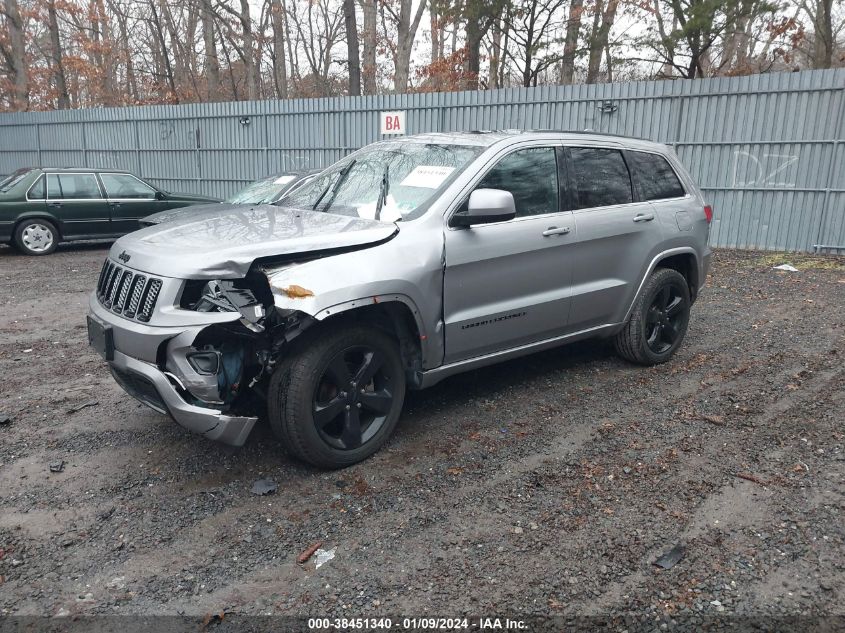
{"x":404,"y":263}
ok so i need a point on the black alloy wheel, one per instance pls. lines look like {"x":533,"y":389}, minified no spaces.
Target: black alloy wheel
{"x":665,"y":318}
{"x":353,"y":397}
{"x":658,"y":319}
{"x":338,"y":400}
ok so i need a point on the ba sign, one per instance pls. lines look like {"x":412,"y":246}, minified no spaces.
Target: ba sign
{"x":393,"y":122}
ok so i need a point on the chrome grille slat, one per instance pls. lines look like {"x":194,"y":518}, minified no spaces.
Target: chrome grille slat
{"x":135,"y":295}
{"x":118,"y":277}
{"x":125,"y":292}
{"x":102,"y":277}
{"x":110,"y":286}
{"x":149,"y":300}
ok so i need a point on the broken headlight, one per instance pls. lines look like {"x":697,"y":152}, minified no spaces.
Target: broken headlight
{"x":224,"y":296}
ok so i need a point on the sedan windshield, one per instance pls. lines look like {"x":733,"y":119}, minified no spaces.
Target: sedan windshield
{"x":388,"y":182}
{"x":262,"y":191}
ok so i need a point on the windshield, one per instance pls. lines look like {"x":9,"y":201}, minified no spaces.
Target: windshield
{"x":389,"y":182}
{"x":262,"y":191}
{"x":10,"y":181}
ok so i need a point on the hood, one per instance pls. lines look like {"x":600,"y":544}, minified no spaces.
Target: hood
{"x":192,"y":211}
{"x":223,"y":244}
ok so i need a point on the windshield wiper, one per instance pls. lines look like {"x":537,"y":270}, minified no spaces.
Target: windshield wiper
{"x":343,"y":173}
{"x":382,"y":194}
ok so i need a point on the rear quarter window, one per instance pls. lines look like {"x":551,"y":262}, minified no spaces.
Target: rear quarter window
{"x":655,"y":177}
{"x":38,"y":191}
{"x":9,"y":183}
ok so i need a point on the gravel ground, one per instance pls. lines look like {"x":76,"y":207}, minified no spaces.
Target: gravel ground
{"x":546,"y":485}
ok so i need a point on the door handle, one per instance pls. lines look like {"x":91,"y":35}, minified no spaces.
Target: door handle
{"x":115,"y":204}
{"x":553,"y":230}
{"x":57,"y":205}
{"x":644,"y":217}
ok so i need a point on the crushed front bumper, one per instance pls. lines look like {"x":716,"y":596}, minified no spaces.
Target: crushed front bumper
{"x":143,"y":380}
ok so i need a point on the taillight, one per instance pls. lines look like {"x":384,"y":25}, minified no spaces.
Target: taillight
{"x":708,"y":213}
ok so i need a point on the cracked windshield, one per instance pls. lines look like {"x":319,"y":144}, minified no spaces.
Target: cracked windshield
{"x":390,"y":182}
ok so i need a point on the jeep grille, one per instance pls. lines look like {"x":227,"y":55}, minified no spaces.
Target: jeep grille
{"x":132,"y":295}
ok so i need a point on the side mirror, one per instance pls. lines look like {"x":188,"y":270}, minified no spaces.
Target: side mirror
{"x":160,"y":195}
{"x":486,"y":206}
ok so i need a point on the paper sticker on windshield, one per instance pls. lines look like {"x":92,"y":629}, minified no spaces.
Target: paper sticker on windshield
{"x":427,"y":176}
{"x":283,"y":180}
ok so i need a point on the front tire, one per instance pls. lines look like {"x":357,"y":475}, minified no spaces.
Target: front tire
{"x":659,"y":320}
{"x":338,"y":401}
{"x":36,"y":237}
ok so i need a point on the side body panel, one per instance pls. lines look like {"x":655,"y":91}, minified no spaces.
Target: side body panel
{"x":611,"y":249}
{"x":78,"y":217}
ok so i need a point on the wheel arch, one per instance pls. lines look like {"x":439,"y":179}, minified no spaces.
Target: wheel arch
{"x":396,"y":315}
{"x":683,"y":258}
{"x":37,"y":215}
{"x":687,"y":264}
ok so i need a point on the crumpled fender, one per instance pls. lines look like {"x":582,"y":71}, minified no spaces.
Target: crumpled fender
{"x":330,"y":285}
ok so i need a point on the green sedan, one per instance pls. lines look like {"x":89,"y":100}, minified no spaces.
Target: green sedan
{"x":40,"y":207}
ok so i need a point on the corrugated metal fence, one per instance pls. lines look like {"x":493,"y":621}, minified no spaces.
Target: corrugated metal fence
{"x":767,"y":149}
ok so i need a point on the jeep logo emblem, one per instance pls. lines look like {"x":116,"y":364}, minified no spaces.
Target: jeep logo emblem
{"x":124,"y":257}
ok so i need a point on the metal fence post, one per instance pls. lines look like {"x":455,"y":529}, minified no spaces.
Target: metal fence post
{"x":38,"y":143}
{"x":829,"y":184}
{"x":137,"y":148}
{"x":84,"y":147}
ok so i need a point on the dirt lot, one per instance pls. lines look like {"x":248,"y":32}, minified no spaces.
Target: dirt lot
{"x":544,"y":485}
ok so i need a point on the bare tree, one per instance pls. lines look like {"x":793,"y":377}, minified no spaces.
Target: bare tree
{"x":369,"y":9}
{"x":17,"y":55}
{"x":62,"y":96}
{"x":353,"y":53}
{"x":212,"y":61}
{"x":570,"y":46}
{"x":406,"y":32}
{"x":603,"y":20}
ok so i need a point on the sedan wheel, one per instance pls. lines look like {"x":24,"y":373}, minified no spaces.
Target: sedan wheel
{"x":36,"y":237}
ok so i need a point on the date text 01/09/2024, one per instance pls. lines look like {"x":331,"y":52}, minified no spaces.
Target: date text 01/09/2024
{"x":413,"y":624}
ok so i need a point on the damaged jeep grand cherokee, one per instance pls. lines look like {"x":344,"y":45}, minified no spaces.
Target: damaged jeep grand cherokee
{"x":404,"y":263}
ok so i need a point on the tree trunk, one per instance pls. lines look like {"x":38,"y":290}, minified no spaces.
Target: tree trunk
{"x":602,"y":22}
{"x":249,"y":52}
{"x":570,"y":46}
{"x":473,"y":59}
{"x":20,"y":99}
{"x":434,"y":22}
{"x":495,"y":55}
{"x":406,"y":32}
{"x":108,"y":61}
{"x":163,"y":51}
{"x":56,"y":53}
{"x":823,"y":42}
{"x":353,"y":52}
{"x":212,"y":62}
{"x":280,"y":71}
{"x":369,"y":46}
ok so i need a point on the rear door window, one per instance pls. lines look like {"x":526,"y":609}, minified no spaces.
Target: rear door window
{"x":531,"y":176}
{"x":73,"y":187}
{"x":599,"y":178}
{"x":126,"y":186}
{"x":655,"y":176}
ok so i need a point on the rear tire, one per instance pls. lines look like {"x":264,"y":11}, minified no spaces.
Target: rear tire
{"x":339,"y":399}
{"x":658,"y":321}
{"x":36,"y":237}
